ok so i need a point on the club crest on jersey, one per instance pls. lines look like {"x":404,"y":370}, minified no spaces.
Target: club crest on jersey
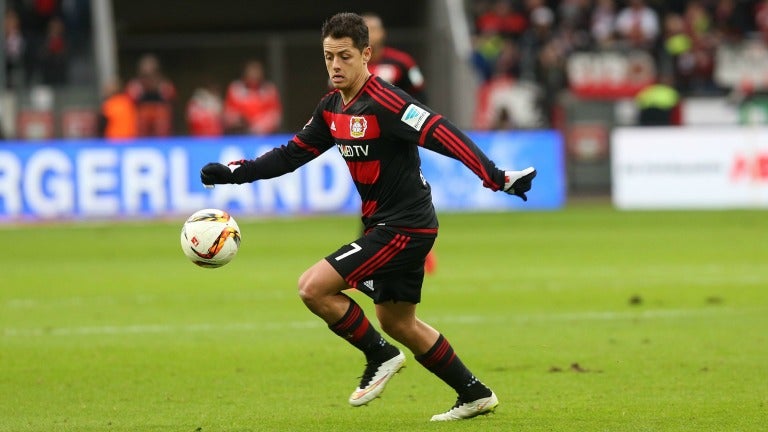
{"x":357,"y":126}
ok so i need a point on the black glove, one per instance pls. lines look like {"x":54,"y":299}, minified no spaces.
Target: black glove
{"x":216,"y":173}
{"x":519,"y":182}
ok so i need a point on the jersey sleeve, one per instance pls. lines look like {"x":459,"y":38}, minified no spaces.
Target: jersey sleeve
{"x":309,"y":143}
{"x":434,"y":132}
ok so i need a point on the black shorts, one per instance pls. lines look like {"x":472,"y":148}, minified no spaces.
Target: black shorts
{"x":386,"y":263}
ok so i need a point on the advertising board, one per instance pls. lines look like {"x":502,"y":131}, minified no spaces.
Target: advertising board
{"x":690,"y":168}
{"x":94,"y":179}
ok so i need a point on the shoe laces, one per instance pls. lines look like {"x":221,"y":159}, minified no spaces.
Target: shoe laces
{"x":370,"y":370}
{"x":467,"y":398}
{"x":459,"y":402}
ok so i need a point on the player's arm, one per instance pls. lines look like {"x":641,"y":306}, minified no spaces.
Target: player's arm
{"x":308,"y":144}
{"x":436,"y":133}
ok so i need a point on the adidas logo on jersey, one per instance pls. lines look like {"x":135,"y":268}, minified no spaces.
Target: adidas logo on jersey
{"x":368,"y":284}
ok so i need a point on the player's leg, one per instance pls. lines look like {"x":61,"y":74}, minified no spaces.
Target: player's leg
{"x":320,"y":289}
{"x":434,"y":352}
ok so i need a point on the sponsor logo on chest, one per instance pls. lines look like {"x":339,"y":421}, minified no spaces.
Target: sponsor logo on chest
{"x":350,"y":151}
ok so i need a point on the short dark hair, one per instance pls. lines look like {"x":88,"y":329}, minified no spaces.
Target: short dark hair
{"x":347,"y":24}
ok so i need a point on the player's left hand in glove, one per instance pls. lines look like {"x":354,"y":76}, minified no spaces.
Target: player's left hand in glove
{"x":216,"y":173}
{"x":519,"y":182}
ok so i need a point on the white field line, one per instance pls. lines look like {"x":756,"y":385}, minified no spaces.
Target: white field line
{"x":317,"y":323}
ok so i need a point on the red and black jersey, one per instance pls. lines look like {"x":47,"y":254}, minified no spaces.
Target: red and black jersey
{"x":400,"y":69}
{"x":378,"y":134}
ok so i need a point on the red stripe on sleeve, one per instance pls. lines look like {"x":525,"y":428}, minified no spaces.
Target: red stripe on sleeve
{"x":389,"y":94}
{"x":429,"y":124}
{"x":452,"y":143}
{"x":470,"y":159}
{"x":386,"y":104}
{"x":305,"y":146}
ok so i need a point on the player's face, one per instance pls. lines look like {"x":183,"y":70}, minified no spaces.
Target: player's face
{"x":347,"y":66}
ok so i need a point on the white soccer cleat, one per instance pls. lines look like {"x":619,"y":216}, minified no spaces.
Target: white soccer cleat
{"x":465,"y":410}
{"x":375,"y":378}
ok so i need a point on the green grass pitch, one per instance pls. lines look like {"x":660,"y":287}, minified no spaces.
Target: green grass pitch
{"x":586,"y":319}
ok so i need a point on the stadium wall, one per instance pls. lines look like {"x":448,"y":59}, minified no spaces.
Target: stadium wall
{"x":153,"y":178}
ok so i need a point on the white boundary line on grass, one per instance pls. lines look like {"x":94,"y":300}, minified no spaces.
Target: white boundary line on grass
{"x":110,"y":330}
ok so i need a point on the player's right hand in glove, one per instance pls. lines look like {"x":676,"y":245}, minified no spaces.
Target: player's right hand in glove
{"x":216,"y":173}
{"x":519,"y":182}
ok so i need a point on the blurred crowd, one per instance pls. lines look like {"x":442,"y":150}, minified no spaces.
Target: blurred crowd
{"x":144,"y":106}
{"x":523,"y":46}
{"x":521,"y":51}
{"x":42,"y":39}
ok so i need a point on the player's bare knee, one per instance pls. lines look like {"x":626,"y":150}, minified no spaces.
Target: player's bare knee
{"x":308,"y":291}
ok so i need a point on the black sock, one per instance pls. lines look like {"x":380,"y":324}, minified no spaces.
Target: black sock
{"x":357,"y":330}
{"x":442,"y":361}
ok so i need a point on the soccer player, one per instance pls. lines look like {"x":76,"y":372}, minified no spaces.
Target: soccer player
{"x":392,"y":65}
{"x":377,"y":128}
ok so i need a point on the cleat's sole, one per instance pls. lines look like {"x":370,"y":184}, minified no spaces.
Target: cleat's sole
{"x":455,"y":413}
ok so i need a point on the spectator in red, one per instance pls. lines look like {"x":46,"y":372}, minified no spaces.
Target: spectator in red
{"x":54,"y":54}
{"x":153,"y":95}
{"x":502,"y":18}
{"x":392,"y":65}
{"x":252,"y":104}
{"x":638,"y":24}
{"x":205,"y":112}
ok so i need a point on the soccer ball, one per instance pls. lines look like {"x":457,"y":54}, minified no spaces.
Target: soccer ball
{"x":210,"y":238}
